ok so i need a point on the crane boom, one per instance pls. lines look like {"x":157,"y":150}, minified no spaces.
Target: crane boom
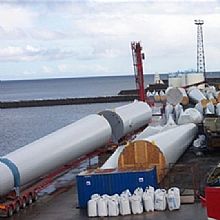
{"x":138,"y":69}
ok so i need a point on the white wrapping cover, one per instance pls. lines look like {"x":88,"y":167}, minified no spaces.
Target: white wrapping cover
{"x":199,"y":107}
{"x":160,"y":200}
{"x":208,"y":112}
{"x":190,"y":115}
{"x":195,"y":94}
{"x":177,"y":111}
{"x":173,"y":198}
{"x":174,"y":95}
{"x":162,"y":93}
{"x":210,"y":92}
{"x":102,"y":207}
{"x":218,"y":109}
{"x":113,"y":207}
{"x":92,"y":207}
{"x":210,"y":95}
{"x":148,"y":93}
{"x":211,"y":107}
{"x":170,"y":124}
{"x":168,"y":110}
{"x":136,"y":204}
{"x":148,"y":199}
{"x":124,"y":205}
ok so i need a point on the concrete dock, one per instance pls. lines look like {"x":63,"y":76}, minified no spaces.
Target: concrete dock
{"x":63,"y":206}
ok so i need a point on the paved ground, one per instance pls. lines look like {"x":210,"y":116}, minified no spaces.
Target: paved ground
{"x":63,"y":207}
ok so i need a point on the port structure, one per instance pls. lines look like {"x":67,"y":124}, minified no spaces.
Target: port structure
{"x":138,"y":56}
{"x":200,"y":48}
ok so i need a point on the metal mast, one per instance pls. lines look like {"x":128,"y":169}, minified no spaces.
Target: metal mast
{"x":200,"y":48}
{"x":138,"y":69}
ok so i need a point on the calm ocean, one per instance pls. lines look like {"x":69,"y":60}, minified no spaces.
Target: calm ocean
{"x":21,"y":126}
{"x":64,"y":88}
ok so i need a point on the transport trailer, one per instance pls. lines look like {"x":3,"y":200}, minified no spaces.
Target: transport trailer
{"x":14,"y":201}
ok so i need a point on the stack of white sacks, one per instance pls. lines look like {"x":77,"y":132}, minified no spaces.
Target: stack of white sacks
{"x":126,"y":204}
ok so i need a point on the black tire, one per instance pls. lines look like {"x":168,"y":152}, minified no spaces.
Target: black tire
{"x":17,"y":207}
{"x":10,"y":211}
{"x":30,"y":200}
{"x":24,"y":204}
{"x":35,"y":197}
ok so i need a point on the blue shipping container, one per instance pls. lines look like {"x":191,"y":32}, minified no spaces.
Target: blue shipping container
{"x":113,"y":182}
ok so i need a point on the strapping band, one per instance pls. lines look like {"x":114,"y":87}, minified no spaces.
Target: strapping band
{"x":14,"y":170}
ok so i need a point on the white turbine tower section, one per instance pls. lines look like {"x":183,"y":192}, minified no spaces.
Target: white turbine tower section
{"x":127,"y":118}
{"x":171,"y":148}
{"x":54,"y":150}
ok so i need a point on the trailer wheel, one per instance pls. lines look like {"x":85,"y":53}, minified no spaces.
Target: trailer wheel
{"x":35,"y":197}
{"x":23,"y":205}
{"x":30,"y":200}
{"x":17,"y":207}
{"x":10,"y":211}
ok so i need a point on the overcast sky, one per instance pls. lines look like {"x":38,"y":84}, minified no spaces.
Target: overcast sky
{"x":70,"y":38}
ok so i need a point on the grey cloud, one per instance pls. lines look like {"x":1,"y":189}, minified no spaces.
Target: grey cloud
{"x":29,"y":53}
{"x":36,"y":34}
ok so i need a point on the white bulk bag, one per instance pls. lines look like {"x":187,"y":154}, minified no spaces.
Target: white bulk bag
{"x":148,"y":202}
{"x":136,"y":204}
{"x":113,"y":207}
{"x":92,"y":208}
{"x":173,"y":198}
{"x":124,"y":205}
{"x":138,"y":191}
{"x":95,"y":196}
{"x":160,"y":199}
{"x":115,"y":197}
{"x":126,"y":193}
{"x":102,"y":207}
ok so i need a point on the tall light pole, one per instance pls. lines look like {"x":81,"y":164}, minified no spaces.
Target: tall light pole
{"x":200,"y":48}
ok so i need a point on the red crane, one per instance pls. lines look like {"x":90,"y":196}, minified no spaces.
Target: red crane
{"x":138,"y":69}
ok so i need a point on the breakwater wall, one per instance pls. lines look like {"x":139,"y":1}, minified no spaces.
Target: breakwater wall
{"x":66,"y":101}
